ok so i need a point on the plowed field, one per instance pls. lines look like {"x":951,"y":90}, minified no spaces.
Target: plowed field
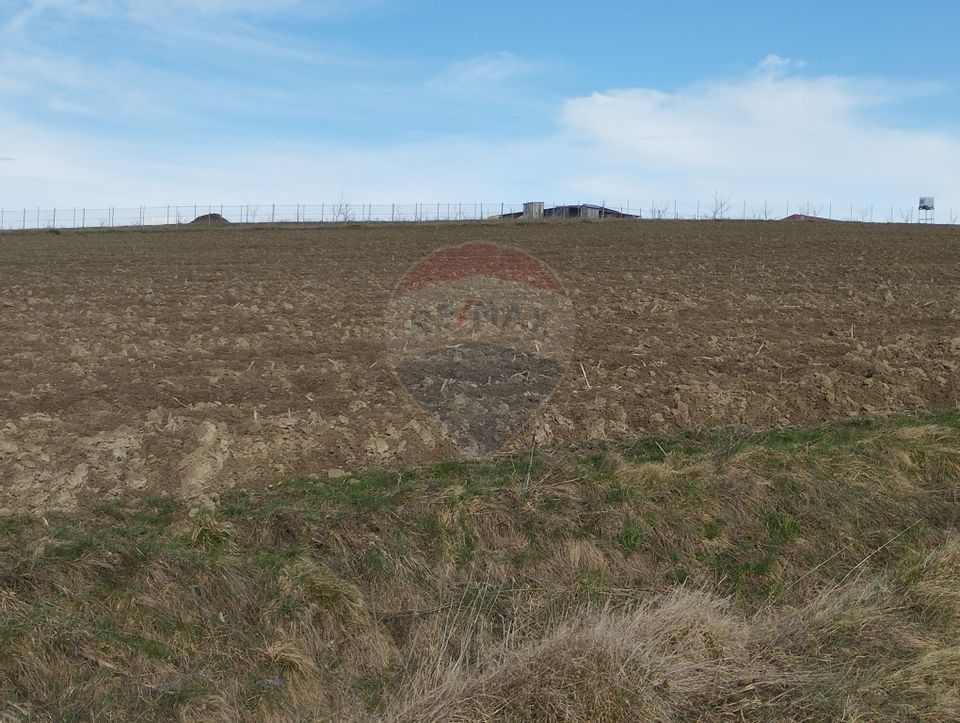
{"x":194,"y":360}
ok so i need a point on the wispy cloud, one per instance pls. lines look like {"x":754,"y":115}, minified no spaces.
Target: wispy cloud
{"x":20,"y":15}
{"x":481,"y":72}
{"x":774,"y":63}
{"x":778,"y":132}
{"x":774,"y":132}
{"x":217,"y":60}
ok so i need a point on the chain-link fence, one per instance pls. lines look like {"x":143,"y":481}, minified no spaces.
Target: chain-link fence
{"x":343,"y":212}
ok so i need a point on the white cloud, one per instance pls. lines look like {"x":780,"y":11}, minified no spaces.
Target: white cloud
{"x":774,"y":134}
{"x":51,"y":62}
{"x":771,"y":134}
{"x":483,"y":71}
{"x":774,"y":63}
{"x":151,"y":10}
{"x":65,"y":170}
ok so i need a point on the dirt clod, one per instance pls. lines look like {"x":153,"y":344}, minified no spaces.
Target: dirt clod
{"x":182,"y":360}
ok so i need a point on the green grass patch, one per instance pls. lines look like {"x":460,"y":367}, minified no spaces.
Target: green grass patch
{"x":632,"y":536}
{"x":348,"y":572}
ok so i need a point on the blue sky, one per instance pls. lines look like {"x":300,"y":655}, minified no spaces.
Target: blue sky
{"x":151,"y":102}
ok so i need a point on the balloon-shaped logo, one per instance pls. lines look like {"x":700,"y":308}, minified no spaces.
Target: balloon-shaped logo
{"x":480,"y":336}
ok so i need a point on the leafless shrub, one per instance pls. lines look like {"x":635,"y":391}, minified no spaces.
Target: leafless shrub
{"x":720,"y":206}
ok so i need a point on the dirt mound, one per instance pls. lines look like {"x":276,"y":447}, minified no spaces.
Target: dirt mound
{"x":210,"y":219}
{"x":803,"y":217}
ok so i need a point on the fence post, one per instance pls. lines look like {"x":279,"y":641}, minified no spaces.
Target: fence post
{"x":273,"y":212}
{"x":24,"y":219}
{"x":1,"y":219}
{"x":83,"y":223}
{"x":698,"y":210}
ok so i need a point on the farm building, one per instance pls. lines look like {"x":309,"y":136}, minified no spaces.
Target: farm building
{"x":583,"y":210}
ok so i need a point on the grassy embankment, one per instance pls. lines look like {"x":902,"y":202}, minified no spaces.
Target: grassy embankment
{"x":810,"y":573}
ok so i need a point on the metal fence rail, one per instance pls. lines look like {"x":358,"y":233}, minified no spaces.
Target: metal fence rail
{"x":343,"y":212}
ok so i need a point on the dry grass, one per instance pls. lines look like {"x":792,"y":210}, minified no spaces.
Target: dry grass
{"x":784,"y":574}
{"x":847,"y":655}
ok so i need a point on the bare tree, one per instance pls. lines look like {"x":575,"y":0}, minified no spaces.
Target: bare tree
{"x":721,"y":206}
{"x":342,"y":211}
{"x":763,"y":214}
{"x":810,"y":210}
{"x":662,"y":211}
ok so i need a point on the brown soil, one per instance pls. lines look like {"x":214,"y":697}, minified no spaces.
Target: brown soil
{"x":189,"y":361}
{"x":803,"y":217}
{"x":210,"y":219}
